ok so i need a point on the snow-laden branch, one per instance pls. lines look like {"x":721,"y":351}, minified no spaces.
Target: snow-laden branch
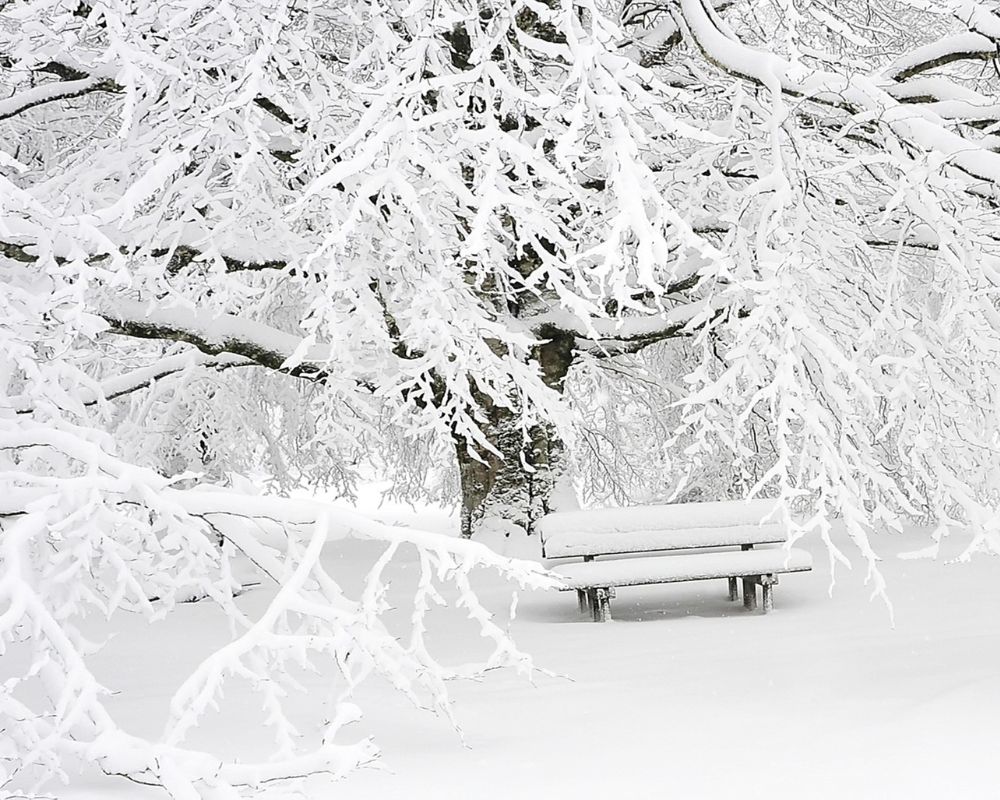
{"x":934,"y":88}
{"x":215,"y":334}
{"x":52,"y":92}
{"x":653,"y":44}
{"x":958,"y":47}
{"x":140,"y":378}
{"x":861,"y":96}
{"x":180,"y":257}
{"x":77,"y":82}
{"x":614,"y":336}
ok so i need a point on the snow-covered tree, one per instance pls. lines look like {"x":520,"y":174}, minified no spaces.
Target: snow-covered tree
{"x":748,"y":240}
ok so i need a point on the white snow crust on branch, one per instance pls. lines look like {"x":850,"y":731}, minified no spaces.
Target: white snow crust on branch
{"x":215,"y":333}
{"x":951,"y":48}
{"x":47,"y":93}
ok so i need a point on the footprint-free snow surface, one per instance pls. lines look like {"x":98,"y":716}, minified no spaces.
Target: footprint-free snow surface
{"x":685,"y":695}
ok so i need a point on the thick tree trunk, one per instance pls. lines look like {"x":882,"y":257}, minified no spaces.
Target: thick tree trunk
{"x":515,"y":488}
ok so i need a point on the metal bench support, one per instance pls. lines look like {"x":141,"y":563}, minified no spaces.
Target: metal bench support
{"x":767,"y":583}
{"x":602,"y":603}
{"x":734,"y":592}
{"x":750,"y":592}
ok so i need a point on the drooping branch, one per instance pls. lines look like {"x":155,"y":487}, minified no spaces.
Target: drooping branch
{"x":346,"y":633}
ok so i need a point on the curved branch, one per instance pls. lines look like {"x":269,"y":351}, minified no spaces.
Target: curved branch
{"x":960,"y":47}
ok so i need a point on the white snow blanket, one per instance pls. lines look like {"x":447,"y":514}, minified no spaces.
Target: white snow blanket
{"x":689,"y":567}
{"x":664,"y":527}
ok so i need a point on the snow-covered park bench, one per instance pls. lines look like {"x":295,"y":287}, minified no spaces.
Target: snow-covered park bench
{"x":630,"y":533}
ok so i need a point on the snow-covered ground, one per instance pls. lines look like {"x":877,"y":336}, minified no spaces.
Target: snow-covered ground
{"x":685,"y":695}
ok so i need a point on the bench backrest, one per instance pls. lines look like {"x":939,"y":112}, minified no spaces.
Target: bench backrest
{"x":643,"y":529}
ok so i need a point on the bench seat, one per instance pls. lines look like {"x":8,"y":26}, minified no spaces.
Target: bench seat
{"x":595,"y":581}
{"x":690,"y":567}
{"x":688,"y":529}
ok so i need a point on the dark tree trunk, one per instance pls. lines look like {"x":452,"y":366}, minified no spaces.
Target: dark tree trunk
{"x":515,"y":487}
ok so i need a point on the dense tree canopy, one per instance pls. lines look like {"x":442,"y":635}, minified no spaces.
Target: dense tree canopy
{"x":721,"y":248}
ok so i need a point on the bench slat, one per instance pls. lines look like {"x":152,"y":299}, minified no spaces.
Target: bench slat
{"x":567,"y":544}
{"x":684,"y":567}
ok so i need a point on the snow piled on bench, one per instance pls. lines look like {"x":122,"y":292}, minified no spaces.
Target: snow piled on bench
{"x":674,"y":516}
{"x":689,"y":567}
{"x":566,"y":544}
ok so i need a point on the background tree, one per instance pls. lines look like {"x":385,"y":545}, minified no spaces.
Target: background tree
{"x":286,"y":234}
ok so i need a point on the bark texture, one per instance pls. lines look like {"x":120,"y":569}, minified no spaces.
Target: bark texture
{"x":513,"y":485}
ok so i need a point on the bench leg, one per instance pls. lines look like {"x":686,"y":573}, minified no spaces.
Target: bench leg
{"x":581,"y":599}
{"x":767,"y":583}
{"x":602,"y":607}
{"x":592,"y":603}
{"x":750,"y":592}
{"x":734,"y":592}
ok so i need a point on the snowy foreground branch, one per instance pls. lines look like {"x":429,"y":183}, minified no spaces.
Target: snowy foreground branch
{"x":118,"y":538}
